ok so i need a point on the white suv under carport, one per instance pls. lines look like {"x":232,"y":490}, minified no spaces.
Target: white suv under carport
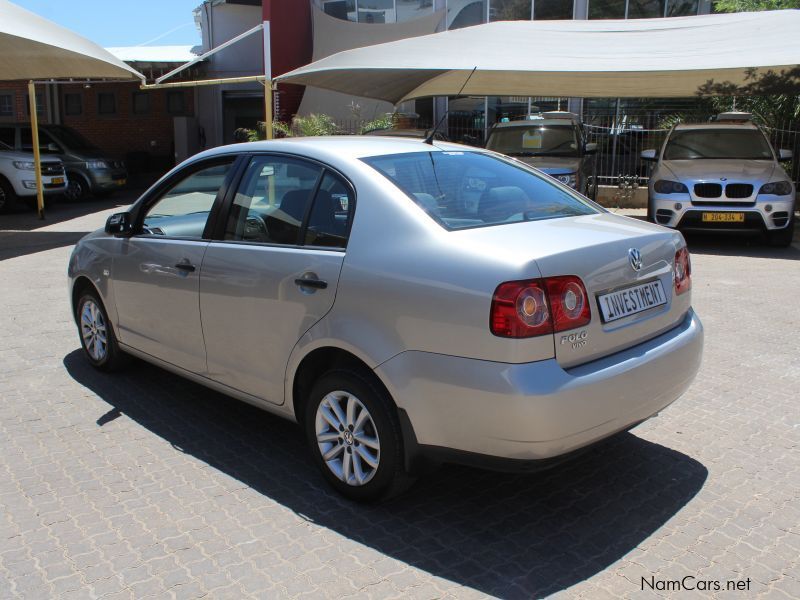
{"x":18,"y":178}
{"x":722,"y":176}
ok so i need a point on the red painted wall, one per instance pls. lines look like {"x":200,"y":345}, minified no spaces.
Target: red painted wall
{"x":291,"y":47}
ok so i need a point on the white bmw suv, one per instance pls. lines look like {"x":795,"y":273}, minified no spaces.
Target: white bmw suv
{"x":722,"y":176}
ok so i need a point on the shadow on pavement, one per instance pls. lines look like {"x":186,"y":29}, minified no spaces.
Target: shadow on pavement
{"x":738,"y":245}
{"x":512,"y":536}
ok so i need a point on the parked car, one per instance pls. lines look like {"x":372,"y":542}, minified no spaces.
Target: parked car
{"x":553,"y":142}
{"x":89,"y":169}
{"x":18,"y":178}
{"x":402,"y":301}
{"x":722,"y":176}
{"x":409,"y":133}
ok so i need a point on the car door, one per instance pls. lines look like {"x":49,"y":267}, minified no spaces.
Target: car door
{"x":274,"y":272}
{"x":156,"y":272}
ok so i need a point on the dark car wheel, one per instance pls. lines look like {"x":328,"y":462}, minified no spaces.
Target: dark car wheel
{"x":7,"y":195}
{"x":97,"y":336}
{"x":352,"y":428}
{"x":76,"y":188}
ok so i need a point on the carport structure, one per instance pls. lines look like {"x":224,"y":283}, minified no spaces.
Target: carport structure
{"x":35,"y":49}
{"x":724,"y":54}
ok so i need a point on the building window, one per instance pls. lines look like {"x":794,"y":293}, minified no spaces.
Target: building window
{"x":607,"y":9}
{"x":73,"y":104}
{"x":510,"y":10}
{"x":39,"y":104}
{"x":106,"y":103}
{"x":552,"y":10}
{"x":176,"y":102}
{"x":141,"y":103}
{"x":6,"y":105}
{"x":681,"y":8}
{"x":645,"y":9}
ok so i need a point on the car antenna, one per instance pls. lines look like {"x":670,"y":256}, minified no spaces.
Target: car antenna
{"x":429,"y":139}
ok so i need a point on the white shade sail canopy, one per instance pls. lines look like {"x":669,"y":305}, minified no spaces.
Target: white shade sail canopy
{"x":31,"y":47}
{"x":660,"y":58}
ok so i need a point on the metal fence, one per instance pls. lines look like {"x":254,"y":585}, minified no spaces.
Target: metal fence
{"x":620,"y":137}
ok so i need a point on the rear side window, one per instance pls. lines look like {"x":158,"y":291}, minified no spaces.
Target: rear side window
{"x":460,"y":190}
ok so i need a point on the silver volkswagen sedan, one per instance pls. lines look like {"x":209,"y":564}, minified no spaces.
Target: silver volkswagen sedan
{"x":404,"y":302}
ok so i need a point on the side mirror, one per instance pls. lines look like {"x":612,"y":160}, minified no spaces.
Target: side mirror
{"x":590,"y":148}
{"x":53,"y":147}
{"x":784,"y":154}
{"x":120,"y":224}
{"x":649,"y":155}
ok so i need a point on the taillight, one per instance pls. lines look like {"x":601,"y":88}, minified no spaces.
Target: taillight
{"x":683,"y":271}
{"x":569,"y":301}
{"x":534,"y":307}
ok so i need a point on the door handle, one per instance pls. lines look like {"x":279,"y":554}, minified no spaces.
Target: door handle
{"x":185,"y":266}
{"x":317,"y":284}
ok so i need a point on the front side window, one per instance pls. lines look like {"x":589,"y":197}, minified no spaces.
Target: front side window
{"x":272,"y":200}
{"x":535,"y":140}
{"x":183,"y":210}
{"x":717,"y":143}
{"x":47,"y":145}
{"x":460,"y":190}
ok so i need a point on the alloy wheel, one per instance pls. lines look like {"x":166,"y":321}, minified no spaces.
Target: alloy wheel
{"x":93,"y":331}
{"x":347,"y":438}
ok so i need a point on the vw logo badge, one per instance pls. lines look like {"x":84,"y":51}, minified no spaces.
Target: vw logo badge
{"x":635,"y":258}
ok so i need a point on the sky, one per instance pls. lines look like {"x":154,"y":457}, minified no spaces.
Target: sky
{"x":123,"y":22}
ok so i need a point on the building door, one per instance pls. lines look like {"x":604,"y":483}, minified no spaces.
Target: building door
{"x":240,"y":110}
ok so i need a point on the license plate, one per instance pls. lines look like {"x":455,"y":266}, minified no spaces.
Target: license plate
{"x":723,"y":217}
{"x":57,"y":180}
{"x":121,"y":181}
{"x":632,"y":300}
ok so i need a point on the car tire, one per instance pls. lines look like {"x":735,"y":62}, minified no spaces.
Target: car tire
{"x":76,"y":188}
{"x":783,"y":237}
{"x":7,"y":195}
{"x":361,"y":456}
{"x":97,"y":335}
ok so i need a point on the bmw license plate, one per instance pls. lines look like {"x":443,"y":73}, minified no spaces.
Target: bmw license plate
{"x":723,"y":217}
{"x":632,"y":300}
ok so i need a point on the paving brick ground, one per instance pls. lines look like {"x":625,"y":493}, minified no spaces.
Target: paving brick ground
{"x":143,"y":484}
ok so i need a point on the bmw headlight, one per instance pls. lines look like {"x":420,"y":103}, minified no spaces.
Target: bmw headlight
{"x":665,"y":186}
{"x":568,"y":179}
{"x":24,"y":165}
{"x":96,"y":165}
{"x":776,"y":188}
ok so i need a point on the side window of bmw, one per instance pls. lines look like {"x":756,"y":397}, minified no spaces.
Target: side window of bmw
{"x":183,"y":210}
{"x":278,"y":194}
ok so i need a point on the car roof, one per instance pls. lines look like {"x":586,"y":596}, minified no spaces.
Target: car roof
{"x":535,"y":122}
{"x":350,"y":146}
{"x":718,"y":125}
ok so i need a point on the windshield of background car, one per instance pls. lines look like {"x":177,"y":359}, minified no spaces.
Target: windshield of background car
{"x":534,"y":140}
{"x":460,"y":190}
{"x":717,"y":143}
{"x":73,"y":140}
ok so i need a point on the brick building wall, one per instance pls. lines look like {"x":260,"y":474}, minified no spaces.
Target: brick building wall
{"x":118,"y":118}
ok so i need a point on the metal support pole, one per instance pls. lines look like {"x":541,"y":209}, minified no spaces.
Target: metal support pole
{"x":37,"y":157}
{"x":615,"y":131}
{"x":268,"y":109}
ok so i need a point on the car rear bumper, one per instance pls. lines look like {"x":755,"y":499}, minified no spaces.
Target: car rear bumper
{"x":500,"y":413}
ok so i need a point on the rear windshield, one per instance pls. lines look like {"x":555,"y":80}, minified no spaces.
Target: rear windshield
{"x":460,"y":190}
{"x":717,"y":143}
{"x":534,"y":140}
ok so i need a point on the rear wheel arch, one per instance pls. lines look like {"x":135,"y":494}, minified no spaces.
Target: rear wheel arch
{"x":318,"y":362}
